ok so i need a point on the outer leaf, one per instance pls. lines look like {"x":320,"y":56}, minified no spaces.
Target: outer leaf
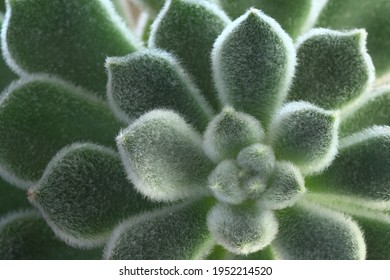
{"x":306,"y":135}
{"x":242,"y":229}
{"x":12,"y":198}
{"x":25,"y":235}
{"x":177,"y":232}
{"x":373,"y":110}
{"x":153,"y":79}
{"x":362,"y":167}
{"x":84,"y":193}
{"x":253,"y":63}
{"x":163,"y":157}
{"x":229,"y":132}
{"x":2,"y":5}
{"x":294,"y":16}
{"x":371,"y":15}
{"x":6,"y":74}
{"x":333,"y":69}
{"x":38,"y":116}
{"x":151,"y":6}
{"x":68,"y":38}
{"x":308,"y":231}
{"x":225,"y":183}
{"x":188,"y":29}
{"x":284,"y":187}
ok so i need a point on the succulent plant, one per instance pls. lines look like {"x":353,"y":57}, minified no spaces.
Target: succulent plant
{"x":224,"y":135}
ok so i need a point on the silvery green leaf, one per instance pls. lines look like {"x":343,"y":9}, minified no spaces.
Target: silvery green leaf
{"x":294,"y":16}
{"x":163,"y":157}
{"x":361,"y":169}
{"x":176,"y":232}
{"x":224,"y":182}
{"x":67,"y":38}
{"x":84,"y":194}
{"x":12,"y":198}
{"x":306,"y":135}
{"x":285,"y":187}
{"x":371,"y":15}
{"x":6,"y":74}
{"x":242,"y":229}
{"x":334,"y":68}
{"x":39,"y":115}
{"x":188,"y":29}
{"x":24,"y":235}
{"x":257,"y":158}
{"x":229,"y":132}
{"x":253,"y":64}
{"x":153,"y":79}
{"x":372,"y":110}
{"x":308,"y":231}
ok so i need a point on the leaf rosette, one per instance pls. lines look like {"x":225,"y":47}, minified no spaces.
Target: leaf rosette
{"x":234,"y":142}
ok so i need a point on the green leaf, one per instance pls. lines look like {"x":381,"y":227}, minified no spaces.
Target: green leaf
{"x":68,"y":38}
{"x":173,"y":233}
{"x":242,"y":229}
{"x":294,"y":16}
{"x":264,"y":254}
{"x":163,"y":157}
{"x":308,"y":231}
{"x":253,"y":63}
{"x":257,"y":158}
{"x":284,"y":187}
{"x":372,"y":110}
{"x":229,"y":132}
{"x":372,"y":15}
{"x":224,"y":181}
{"x":6,"y":74}
{"x":84,"y":193}
{"x":2,"y":5}
{"x":39,"y":115}
{"x":361,"y":169}
{"x":153,"y":79}
{"x":306,"y":135}
{"x":334,"y":68}
{"x":12,"y":198}
{"x":26,"y":236}
{"x":188,"y":29}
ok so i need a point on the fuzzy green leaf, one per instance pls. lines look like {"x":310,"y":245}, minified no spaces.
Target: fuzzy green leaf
{"x":242,"y":229}
{"x":373,"y":110}
{"x":12,"y":198}
{"x":333,"y":69}
{"x":68,"y":38}
{"x":362,"y":167}
{"x":176,"y":232}
{"x":306,"y":135}
{"x":163,"y":157}
{"x":225,"y":183}
{"x":26,"y":236}
{"x":253,"y":63}
{"x":372,"y":15}
{"x":40,"y":115}
{"x":257,"y":158}
{"x":229,"y":132}
{"x":308,"y":232}
{"x":188,"y":29}
{"x":84,"y":193}
{"x":153,"y":79}
{"x":6,"y":75}
{"x":284,"y":187}
{"x":294,"y":16}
